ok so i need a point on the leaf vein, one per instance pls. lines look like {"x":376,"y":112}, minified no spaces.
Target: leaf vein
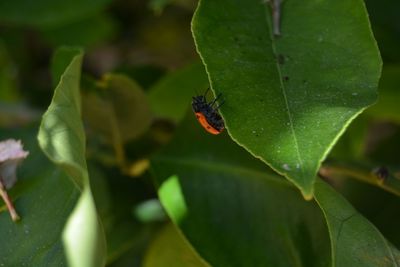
{"x":285,"y":96}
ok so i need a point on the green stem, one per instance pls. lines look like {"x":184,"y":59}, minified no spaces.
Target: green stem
{"x":4,"y":195}
{"x":116,"y":138}
{"x":380,"y":177}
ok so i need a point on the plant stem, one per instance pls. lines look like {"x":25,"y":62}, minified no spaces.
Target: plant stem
{"x":4,"y":195}
{"x":380,"y":177}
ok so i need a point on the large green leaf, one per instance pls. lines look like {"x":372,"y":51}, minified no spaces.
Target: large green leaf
{"x":355,"y":241}
{"x":232,"y":208}
{"x":289,"y":98}
{"x":236,"y":212}
{"x":44,"y":197}
{"x":48,"y":13}
{"x":62,"y":138}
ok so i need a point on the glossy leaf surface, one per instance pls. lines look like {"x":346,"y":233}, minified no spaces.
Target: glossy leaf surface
{"x":289,"y":98}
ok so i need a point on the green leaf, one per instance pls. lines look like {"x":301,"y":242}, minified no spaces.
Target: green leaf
{"x":354,"y":240}
{"x":62,"y":139}
{"x":44,"y":197}
{"x":146,"y":75}
{"x":83,"y":235}
{"x":289,"y":98}
{"x":382,"y":211}
{"x":47,"y":13}
{"x":236,"y":212}
{"x":119,"y":109}
{"x":171,"y":96}
{"x":232,"y":208}
{"x":171,"y":249}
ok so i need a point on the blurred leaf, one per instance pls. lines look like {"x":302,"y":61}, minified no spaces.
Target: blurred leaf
{"x":385,"y":21}
{"x":144,"y":75}
{"x":158,"y":5}
{"x":171,"y":249}
{"x":355,"y":241}
{"x":46,"y":14}
{"x":44,"y":198}
{"x":232,"y":208}
{"x":86,"y":32}
{"x":351,"y":145}
{"x":165,"y":41}
{"x":118,"y":109}
{"x":62,"y":138}
{"x":115,"y":196}
{"x":387,"y":107}
{"x":171,"y":96}
{"x":289,"y":98}
{"x":149,"y":211}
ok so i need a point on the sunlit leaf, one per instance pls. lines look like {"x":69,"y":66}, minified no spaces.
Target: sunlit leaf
{"x":62,"y":139}
{"x":289,"y":98}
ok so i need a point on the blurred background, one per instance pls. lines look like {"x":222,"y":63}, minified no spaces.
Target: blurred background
{"x":141,"y":38}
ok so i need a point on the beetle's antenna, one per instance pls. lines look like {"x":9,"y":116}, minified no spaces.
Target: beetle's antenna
{"x":213,"y":102}
{"x":205,"y":94}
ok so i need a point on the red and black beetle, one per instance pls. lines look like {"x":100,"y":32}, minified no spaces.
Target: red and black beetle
{"x":207,"y":114}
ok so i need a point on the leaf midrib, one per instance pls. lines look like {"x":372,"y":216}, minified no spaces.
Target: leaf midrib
{"x":284,"y":92}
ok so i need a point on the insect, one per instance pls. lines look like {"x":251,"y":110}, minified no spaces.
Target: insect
{"x":207,"y":114}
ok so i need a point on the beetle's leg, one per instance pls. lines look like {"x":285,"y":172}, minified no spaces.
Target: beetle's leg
{"x":222,"y":102}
